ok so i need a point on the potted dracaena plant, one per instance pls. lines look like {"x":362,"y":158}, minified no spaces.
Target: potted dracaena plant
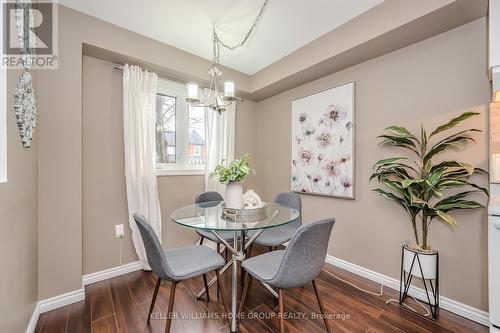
{"x":420,"y":185}
{"x":232,"y":175}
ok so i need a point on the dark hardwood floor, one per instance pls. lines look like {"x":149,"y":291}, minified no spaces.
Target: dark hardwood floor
{"x":121,"y":304}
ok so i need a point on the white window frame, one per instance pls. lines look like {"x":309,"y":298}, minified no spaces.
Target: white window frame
{"x":3,"y":107}
{"x":181,"y":166}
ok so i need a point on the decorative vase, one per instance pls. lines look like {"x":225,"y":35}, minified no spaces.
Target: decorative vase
{"x":234,"y":192}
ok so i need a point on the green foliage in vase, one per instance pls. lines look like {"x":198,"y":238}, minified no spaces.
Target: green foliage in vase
{"x":236,"y":171}
{"x":419,"y":185}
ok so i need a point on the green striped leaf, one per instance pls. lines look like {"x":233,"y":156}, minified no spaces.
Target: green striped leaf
{"x":446,"y":218}
{"x":454,"y":122}
{"x":398,"y":130}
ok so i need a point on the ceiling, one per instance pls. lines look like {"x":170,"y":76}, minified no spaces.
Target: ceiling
{"x":286,"y":26}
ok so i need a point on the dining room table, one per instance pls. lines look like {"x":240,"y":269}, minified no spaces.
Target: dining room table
{"x":246,"y":226}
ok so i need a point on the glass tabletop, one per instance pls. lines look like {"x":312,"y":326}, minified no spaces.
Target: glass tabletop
{"x":209,"y":216}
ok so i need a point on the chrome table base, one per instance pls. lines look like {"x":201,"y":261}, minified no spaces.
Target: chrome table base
{"x":238,"y":255}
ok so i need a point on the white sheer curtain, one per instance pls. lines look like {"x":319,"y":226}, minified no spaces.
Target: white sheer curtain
{"x":139,"y":107}
{"x":219,"y":144}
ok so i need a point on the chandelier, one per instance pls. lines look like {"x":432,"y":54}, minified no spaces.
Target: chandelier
{"x":215,"y":99}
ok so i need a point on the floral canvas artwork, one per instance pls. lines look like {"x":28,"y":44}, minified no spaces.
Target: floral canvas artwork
{"x":323,"y":142}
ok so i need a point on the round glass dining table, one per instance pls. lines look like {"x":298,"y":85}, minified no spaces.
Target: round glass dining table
{"x":209,"y":216}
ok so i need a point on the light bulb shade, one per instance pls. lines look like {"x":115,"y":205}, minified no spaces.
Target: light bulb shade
{"x":229,"y":90}
{"x":192,"y":92}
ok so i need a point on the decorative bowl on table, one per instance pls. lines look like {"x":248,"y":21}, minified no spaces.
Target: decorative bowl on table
{"x":245,"y":215}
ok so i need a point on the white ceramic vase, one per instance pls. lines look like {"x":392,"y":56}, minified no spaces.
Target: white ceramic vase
{"x":234,"y":193}
{"x":427,"y":260}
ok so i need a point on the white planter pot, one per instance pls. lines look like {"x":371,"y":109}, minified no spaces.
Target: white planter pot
{"x":428,"y":261}
{"x":234,"y":192}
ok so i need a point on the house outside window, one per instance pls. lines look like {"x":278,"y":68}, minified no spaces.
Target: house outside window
{"x":196,"y":148}
{"x":180,"y":132}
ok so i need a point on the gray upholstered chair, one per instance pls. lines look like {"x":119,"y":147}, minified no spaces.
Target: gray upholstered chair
{"x":299,"y":264}
{"x":177,"y":265}
{"x":228,"y":236}
{"x":274,"y":237}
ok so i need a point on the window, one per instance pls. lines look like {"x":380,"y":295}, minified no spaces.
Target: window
{"x":3,"y":110}
{"x":165,"y":129}
{"x":180,"y":132}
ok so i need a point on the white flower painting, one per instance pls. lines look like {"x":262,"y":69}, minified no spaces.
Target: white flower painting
{"x":323,"y":142}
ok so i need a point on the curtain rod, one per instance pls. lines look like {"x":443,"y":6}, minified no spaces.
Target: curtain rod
{"x":120,"y":68}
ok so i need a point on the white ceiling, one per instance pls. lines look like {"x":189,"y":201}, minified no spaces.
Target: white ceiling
{"x":286,"y":25}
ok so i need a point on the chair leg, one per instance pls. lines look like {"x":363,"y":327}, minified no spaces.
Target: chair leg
{"x":201,"y":240}
{"x":158,"y":283}
{"x":280,"y":311}
{"x":321,"y":308}
{"x":218,"y":251}
{"x":249,"y":251}
{"x":206,"y":286}
{"x":170,"y":307}
{"x":221,"y":288}
{"x":248,"y":280}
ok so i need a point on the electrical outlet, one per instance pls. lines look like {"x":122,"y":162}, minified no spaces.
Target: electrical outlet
{"x":119,"y":231}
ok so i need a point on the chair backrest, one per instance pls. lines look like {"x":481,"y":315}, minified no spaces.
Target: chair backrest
{"x":292,"y":200}
{"x":154,"y":251}
{"x":305,"y":255}
{"x":209,"y":196}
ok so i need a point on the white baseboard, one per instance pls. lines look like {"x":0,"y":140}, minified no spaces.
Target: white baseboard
{"x":52,"y":303}
{"x":111,"y":273}
{"x":458,"y":308}
{"x":34,"y":319}
{"x":78,"y":295}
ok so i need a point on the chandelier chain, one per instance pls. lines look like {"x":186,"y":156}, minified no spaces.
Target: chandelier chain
{"x":218,"y":41}
{"x":214,"y":100}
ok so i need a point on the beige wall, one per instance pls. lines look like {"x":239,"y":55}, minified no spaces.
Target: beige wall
{"x":18,"y":225}
{"x":104,"y":194}
{"x":427,"y":83}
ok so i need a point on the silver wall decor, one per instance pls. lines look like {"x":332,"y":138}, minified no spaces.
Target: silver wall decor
{"x":25,"y":107}
{"x":24,"y":99}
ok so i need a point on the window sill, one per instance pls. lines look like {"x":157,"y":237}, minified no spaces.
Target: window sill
{"x":161,"y":173}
